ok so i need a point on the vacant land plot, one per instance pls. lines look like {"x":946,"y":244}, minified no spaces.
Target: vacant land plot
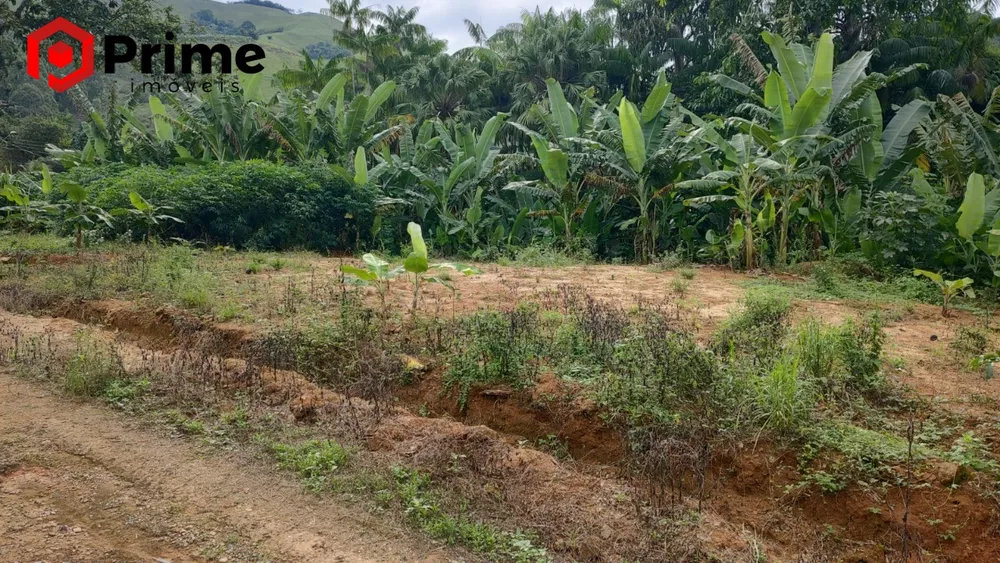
{"x":183,"y":404}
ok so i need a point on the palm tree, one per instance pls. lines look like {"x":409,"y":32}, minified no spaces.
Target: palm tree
{"x":350,"y":12}
{"x":312,"y":75}
{"x":411,"y":40}
{"x":448,"y":87}
{"x":565,"y":46}
{"x":961,"y":57}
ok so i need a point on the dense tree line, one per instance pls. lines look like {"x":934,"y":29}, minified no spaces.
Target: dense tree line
{"x":721,"y":131}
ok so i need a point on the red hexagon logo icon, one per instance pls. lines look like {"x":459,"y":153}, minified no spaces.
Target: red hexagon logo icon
{"x":61,"y":54}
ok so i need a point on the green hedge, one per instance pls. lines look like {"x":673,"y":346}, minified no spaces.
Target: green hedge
{"x":254,"y":204}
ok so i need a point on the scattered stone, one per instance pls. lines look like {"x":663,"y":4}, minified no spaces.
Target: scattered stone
{"x":496,"y":393}
{"x":412,"y":364}
{"x":947,"y":473}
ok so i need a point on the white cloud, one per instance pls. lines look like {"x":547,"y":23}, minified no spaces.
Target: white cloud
{"x":444,"y":18}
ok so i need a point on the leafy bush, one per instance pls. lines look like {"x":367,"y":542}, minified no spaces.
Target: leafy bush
{"x":242,"y":204}
{"x":858,"y":454}
{"x":657,"y":373}
{"x":861,"y":351}
{"x":496,"y":347}
{"x":757,"y":330}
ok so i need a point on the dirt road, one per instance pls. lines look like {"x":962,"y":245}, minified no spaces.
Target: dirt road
{"x":80,"y":483}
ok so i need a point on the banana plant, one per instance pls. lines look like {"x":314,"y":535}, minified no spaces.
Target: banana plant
{"x":729,"y":246}
{"x":806,"y":93}
{"x":306,"y":124}
{"x":417,"y":264}
{"x":644,"y":150}
{"x":949,"y":288}
{"x":378,"y":274}
{"x":151,"y":216}
{"x":978,"y":224}
{"x":747,"y":176}
{"x":445,"y":173}
{"x":25,"y":212}
{"x":221,"y":126}
{"x":557,"y":188}
{"x":79,"y":214}
{"x":564,"y":155}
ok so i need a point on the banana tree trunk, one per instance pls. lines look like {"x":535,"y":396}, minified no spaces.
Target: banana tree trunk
{"x":643,"y":232}
{"x":748,"y":240}
{"x":783,"y":235}
{"x":416,"y":294}
{"x":567,"y":216}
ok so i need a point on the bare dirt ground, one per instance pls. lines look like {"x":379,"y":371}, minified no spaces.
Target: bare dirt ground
{"x":78,"y":483}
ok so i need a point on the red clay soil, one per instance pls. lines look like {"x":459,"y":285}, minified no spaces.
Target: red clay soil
{"x":747,"y":498}
{"x":583,"y":509}
{"x":78,"y":483}
{"x":551,"y":408}
{"x":163,"y":327}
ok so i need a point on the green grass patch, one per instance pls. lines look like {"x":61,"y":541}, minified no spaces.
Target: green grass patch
{"x":413,"y":492}
{"x":315,"y":461}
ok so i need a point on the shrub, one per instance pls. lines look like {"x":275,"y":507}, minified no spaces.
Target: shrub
{"x":243,"y":204}
{"x":496,"y":347}
{"x":860,"y":348}
{"x":826,"y":279}
{"x":971,"y":340}
{"x":657,"y":373}
{"x":757,"y":330}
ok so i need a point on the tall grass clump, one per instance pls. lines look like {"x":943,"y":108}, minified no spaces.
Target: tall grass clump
{"x":91,"y":368}
{"x":815,"y":346}
{"x":783,"y":396}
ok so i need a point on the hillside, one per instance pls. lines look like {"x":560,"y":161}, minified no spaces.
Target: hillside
{"x":283,"y":47}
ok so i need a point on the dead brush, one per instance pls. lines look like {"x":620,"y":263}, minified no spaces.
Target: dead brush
{"x":17,"y":296}
{"x":666,"y":466}
{"x":83,"y":365}
{"x":602,"y":324}
{"x":524,"y":488}
{"x":350,"y":358}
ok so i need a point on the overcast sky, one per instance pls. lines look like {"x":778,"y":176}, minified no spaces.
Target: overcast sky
{"x":444,"y":17}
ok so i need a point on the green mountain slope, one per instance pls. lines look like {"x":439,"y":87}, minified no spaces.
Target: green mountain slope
{"x":283,"y":48}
